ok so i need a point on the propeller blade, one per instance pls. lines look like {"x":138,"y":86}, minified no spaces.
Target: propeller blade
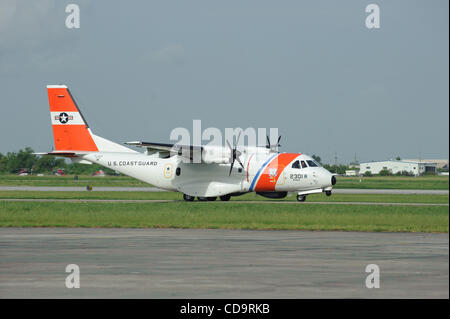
{"x":239,"y":161}
{"x":237,"y":140}
{"x":235,"y":153}
{"x":229,"y":146}
{"x":231,"y":168}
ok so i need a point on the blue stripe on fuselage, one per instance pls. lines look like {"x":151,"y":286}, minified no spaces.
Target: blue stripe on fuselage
{"x":259,"y":172}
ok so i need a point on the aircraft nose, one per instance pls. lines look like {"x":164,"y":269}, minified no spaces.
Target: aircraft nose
{"x":333,"y":180}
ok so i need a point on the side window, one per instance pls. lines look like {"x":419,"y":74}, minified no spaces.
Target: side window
{"x":178,"y":171}
{"x":296,"y":164}
{"x":304,"y":164}
{"x":312,"y":164}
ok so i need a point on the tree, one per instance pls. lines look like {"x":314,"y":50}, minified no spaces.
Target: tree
{"x":336,"y":169}
{"x":385,"y":172}
{"x":317,"y":158}
{"x":398,"y":158}
{"x":46,"y":164}
{"x":3,"y":163}
{"x":22,"y":159}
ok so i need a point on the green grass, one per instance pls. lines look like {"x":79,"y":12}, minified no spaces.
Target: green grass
{"x":381,"y":182}
{"x":394,"y":182}
{"x":68,"y":180}
{"x":395,"y":198}
{"x":226,"y":216}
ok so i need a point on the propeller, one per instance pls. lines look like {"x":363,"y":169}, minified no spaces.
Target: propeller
{"x":235,"y":154}
{"x":273,"y":147}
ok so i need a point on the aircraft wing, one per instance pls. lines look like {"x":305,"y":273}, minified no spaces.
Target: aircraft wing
{"x":187,"y":151}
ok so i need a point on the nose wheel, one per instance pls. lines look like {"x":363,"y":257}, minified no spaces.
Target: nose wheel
{"x":301,"y":198}
{"x":328,"y":193}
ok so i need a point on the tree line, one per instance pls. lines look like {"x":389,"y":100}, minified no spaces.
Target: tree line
{"x":25,"y":160}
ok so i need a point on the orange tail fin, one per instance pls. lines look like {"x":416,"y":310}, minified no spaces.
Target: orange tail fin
{"x":70,"y":130}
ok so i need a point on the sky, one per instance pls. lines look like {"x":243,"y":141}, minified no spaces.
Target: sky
{"x":312,"y":69}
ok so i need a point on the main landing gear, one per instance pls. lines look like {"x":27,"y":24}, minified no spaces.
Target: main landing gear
{"x":189,"y":198}
{"x":225,"y":198}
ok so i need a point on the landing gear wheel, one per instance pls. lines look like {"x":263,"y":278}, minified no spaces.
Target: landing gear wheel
{"x":188,"y":198}
{"x":328,"y":193}
{"x":301,"y":198}
{"x":211,"y":199}
{"x":202,"y":199}
{"x":225,"y":198}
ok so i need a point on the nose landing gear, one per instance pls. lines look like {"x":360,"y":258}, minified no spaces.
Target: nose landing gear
{"x":328,"y":193}
{"x":301,"y":198}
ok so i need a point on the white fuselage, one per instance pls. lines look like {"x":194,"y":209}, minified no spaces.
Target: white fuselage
{"x":263,"y":172}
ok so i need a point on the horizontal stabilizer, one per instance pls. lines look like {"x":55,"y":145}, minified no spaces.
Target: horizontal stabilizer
{"x":62,"y":154}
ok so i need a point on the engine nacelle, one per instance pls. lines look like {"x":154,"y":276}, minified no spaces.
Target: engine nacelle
{"x":215,"y":155}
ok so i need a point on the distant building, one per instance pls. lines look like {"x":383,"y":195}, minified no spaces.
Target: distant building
{"x":440,"y":163}
{"x":350,"y":172}
{"x":415,"y":168}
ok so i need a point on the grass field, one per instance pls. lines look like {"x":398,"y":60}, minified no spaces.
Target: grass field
{"x":380,"y":182}
{"x":68,"y":180}
{"x":226,"y":216}
{"x":394,"y":182}
{"x":395,"y":198}
{"x":233,"y":215}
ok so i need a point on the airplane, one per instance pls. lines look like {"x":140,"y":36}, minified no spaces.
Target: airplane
{"x":262,"y":169}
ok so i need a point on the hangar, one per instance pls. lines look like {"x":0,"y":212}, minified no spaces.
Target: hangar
{"x":415,"y":168}
{"x":440,"y":163}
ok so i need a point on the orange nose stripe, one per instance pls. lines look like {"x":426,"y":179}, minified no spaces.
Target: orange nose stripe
{"x":273,"y":171}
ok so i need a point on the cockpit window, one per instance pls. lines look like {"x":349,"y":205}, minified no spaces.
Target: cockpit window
{"x":312,"y":163}
{"x":296,"y":164}
{"x":304,"y":164}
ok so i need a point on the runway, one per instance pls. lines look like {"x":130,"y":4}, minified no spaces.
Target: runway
{"x":182,"y":263}
{"x":155,"y":189}
{"x":143,"y":201}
